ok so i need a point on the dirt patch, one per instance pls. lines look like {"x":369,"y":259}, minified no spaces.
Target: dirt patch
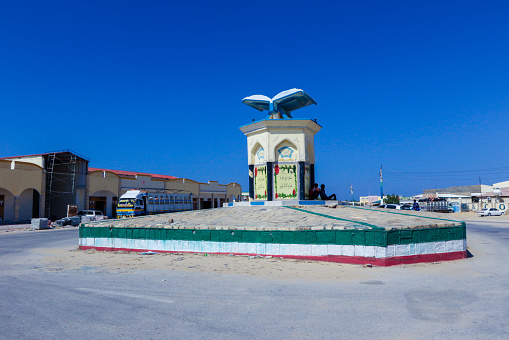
{"x":270,"y":267}
{"x":275,"y":268}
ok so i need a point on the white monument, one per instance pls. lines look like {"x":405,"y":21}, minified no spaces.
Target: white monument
{"x":281,"y":152}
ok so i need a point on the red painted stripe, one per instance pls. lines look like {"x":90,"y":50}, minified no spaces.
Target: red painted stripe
{"x":383,"y":262}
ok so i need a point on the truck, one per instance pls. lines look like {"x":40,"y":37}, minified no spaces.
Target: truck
{"x":433,"y":204}
{"x":142,"y":202}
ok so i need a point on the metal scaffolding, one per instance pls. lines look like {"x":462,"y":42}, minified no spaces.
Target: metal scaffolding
{"x":65,"y":171}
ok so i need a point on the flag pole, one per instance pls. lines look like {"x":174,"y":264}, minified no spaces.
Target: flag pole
{"x":351,"y":190}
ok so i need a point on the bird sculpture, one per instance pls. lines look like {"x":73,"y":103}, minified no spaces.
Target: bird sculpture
{"x":282,"y":104}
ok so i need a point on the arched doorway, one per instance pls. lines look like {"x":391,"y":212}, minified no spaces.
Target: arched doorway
{"x":104,"y":201}
{"x":29,"y":201}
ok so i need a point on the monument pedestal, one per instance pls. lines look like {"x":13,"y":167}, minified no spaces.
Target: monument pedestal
{"x":281,"y":158}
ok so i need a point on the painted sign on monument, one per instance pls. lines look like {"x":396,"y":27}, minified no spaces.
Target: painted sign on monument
{"x":285,"y":181}
{"x":260,"y":179}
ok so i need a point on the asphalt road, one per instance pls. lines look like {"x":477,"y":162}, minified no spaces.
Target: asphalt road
{"x":465,"y":298}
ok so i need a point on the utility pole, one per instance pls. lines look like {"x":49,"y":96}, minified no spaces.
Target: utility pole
{"x":381,"y":187}
{"x":480,"y":189}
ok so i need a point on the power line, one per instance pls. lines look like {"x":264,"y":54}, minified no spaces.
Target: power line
{"x":452,"y":172}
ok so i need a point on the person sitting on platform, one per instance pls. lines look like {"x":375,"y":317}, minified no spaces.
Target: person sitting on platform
{"x":324,"y":196}
{"x":314,"y":193}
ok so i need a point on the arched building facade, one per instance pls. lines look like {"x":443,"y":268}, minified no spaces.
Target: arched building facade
{"x":44,"y":185}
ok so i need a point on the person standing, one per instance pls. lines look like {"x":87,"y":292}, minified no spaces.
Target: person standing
{"x":416,"y":206}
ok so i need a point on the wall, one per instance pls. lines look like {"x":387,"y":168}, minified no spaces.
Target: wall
{"x":103,"y":180}
{"x":23,"y":176}
{"x":183,"y":184}
{"x":141,"y":182}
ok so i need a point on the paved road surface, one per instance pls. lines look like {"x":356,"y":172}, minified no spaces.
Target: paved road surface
{"x":467,"y":298}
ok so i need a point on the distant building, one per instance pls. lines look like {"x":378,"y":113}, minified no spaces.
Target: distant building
{"x":43,"y":185}
{"x":475,"y":197}
{"x":368,"y":200}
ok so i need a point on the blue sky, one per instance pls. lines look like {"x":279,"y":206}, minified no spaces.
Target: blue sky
{"x":156,"y":86}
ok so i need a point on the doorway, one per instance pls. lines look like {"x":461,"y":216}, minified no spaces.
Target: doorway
{"x":2,"y":200}
{"x":98,"y":203}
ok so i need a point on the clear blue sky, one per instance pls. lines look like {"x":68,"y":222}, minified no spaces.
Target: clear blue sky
{"x":156,"y":86}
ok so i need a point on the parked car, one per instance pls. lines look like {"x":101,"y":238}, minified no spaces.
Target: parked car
{"x":95,"y":215}
{"x":490,"y":212}
{"x":390,"y":206}
{"x":406,"y":207}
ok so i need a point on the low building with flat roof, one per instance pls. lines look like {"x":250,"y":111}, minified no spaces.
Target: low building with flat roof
{"x":44,"y":185}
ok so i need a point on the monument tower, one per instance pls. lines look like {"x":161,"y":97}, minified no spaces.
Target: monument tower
{"x":281,"y":152}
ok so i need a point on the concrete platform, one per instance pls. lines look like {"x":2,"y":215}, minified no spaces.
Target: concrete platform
{"x":280,"y":203}
{"x":335,"y":234}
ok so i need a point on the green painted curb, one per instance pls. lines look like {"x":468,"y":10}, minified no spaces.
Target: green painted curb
{"x":381,"y":238}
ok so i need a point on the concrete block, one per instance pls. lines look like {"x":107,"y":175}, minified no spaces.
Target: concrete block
{"x":218,"y":246}
{"x":294,"y":249}
{"x":370,"y":251}
{"x":284,"y":249}
{"x":157,"y":244}
{"x":440,"y":247}
{"x":168,"y":245}
{"x":118,"y":243}
{"x":380,"y":252}
{"x":194,"y":246}
{"x":227,"y":247}
{"x":177,"y":245}
{"x":242,"y":248}
{"x":142,"y":244}
{"x":449,"y":246}
{"x":261,"y":248}
{"x":251,"y":248}
{"x":402,"y":250}
{"x":429,"y":248}
{"x":184,"y":245}
{"x":272,"y":249}
{"x":319,"y":249}
{"x":306,"y":249}
{"x":391,"y":251}
{"x":412,"y":249}
{"x":457,"y":245}
{"x":348,"y":250}
{"x":234,"y":247}
{"x":360,"y":250}
{"x":39,"y":223}
{"x":334,"y":249}
{"x":420,"y":248}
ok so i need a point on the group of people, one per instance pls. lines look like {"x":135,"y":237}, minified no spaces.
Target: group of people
{"x":319,"y":192}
